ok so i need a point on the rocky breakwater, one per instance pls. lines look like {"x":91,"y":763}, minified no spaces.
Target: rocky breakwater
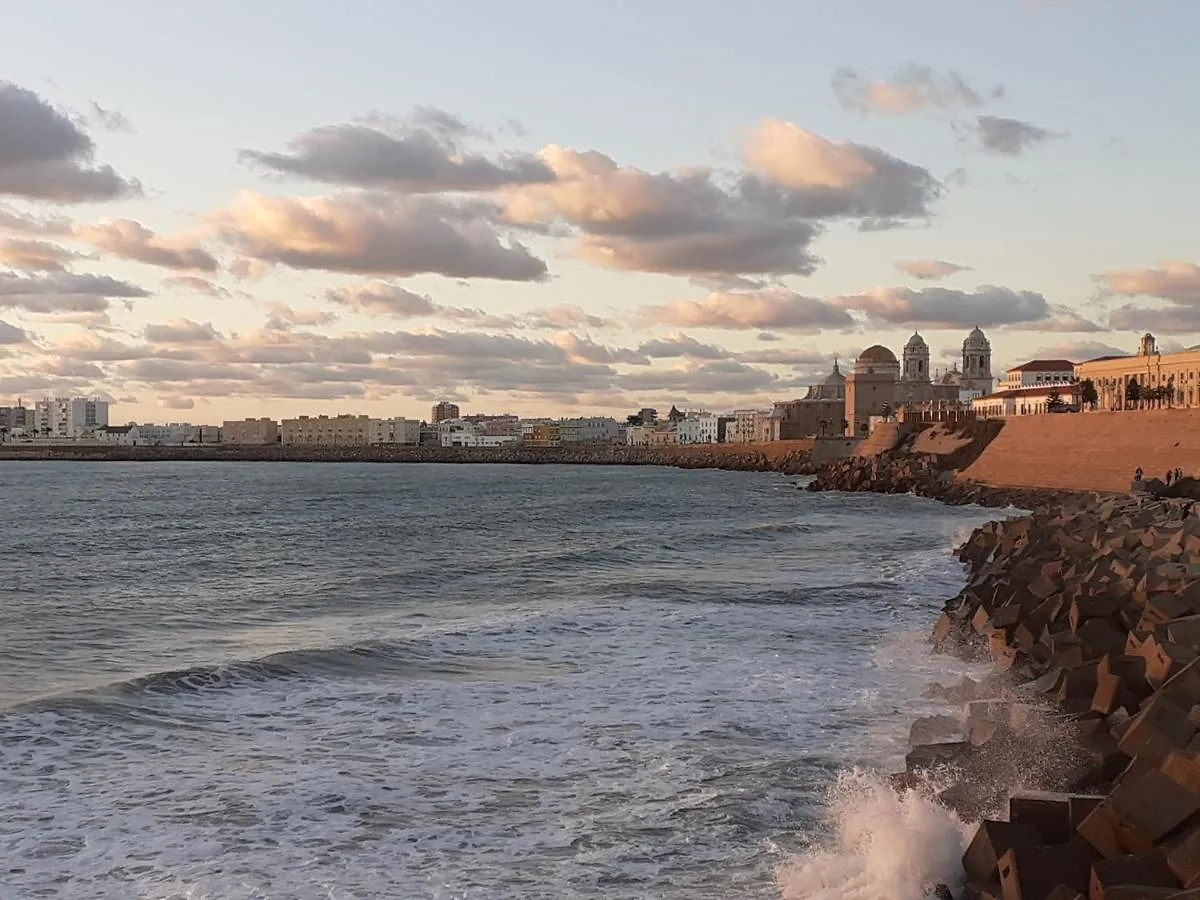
{"x":926,"y":475}
{"x":744,"y":458}
{"x":1081,"y":756}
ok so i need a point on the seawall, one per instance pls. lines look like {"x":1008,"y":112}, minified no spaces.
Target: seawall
{"x":788,"y":457}
{"x":1089,"y":451}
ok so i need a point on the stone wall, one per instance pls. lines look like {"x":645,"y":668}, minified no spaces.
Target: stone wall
{"x":1090,"y":451}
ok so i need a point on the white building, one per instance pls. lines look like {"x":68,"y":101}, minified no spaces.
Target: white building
{"x":638,"y":435}
{"x":591,"y":430}
{"x":458,"y":433}
{"x":698,"y":429}
{"x":1026,"y":401}
{"x":66,"y":418}
{"x":1039,"y":372}
{"x":348,"y":431}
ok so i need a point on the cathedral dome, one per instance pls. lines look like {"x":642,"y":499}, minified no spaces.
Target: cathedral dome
{"x":835,"y":378}
{"x":916,"y":344}
{"x":976,"y":340}
{"x":877,"y":355}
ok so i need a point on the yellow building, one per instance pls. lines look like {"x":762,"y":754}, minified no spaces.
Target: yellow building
{"x":1162,"y":379}
{"x":543,"y":434}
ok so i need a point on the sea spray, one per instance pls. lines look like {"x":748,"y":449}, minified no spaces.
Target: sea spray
{"x":882,"y":845}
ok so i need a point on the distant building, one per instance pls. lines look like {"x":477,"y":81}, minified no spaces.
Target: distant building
{"x":66,"y":418}
{"x":1026,"y":401}
{"x":1039,"y":372}
{"x":250,"y":431}
{"x":542,"y":434}
{"x":701,"y":428}
{"x":13,"y":418}
{"x":648,"y":415}
{"x":590,"y":430}
{"x":443,"y":411}
{"x":1161,"y":379}
{"x":348,"y":431}
{"x":748,"y":426}
{"x":817,"y":413}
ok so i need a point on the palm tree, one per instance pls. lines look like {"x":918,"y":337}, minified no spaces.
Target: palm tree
{"x":824,"y":424}
{"x":1054,"y":401}
{"x":1133,"y":393}
{"x":1088,"y":395}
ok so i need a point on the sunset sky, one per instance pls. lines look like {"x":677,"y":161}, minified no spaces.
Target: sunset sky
{"x":223,"y":209}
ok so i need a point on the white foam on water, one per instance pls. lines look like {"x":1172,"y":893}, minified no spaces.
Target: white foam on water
{"x":882,"y":846}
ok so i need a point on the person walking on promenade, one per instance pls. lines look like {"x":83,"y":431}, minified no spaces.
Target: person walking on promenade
{"x":1137,"y":474}
{"x":1178,"y":474}
{"x":1169,"y":473}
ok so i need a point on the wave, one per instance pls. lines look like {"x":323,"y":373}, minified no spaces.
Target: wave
{"x":884,"y":846}
{"x":410,"y":659}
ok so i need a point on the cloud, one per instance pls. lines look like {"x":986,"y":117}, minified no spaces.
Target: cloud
{"x":929,"y":269}
{"x":566,"y":315}
{"x":768,"y":336}
{"x":702,"y":377}
{"x":284,"y":318}
{"x":794,"y":357}
{"x":1009,"y":137}
{"x":181,"y":331}
{"x":680,"y":223}
{"x":372,"y":233}
{"x":938,"y":307}
{"x":35,"y":255}
{"x":1061,"y":319}
{"x":1077,"y":351}
{"x":45,"y":155}
{"x":110,"y":118}
{"x":11,"y":334}
{"x":1173,"y":280}
{"x":56,"y":292}
{"x":413,"y":157}
{"x":681,"y":345}
{"x":829,"y":179}
{"x":380,"y":299}
{"x":178,"y":403}
{"x":908,"y":90}
{"x":1171,"y":319}
{"x":131,"y":240}
{"x":196,"y":285}
{"x":776,"y":308}
{"x":23,"y":223}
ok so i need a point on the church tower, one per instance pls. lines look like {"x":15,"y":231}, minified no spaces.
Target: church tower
{"x":977,"y":362}
{"x":916,"y":360}
{"x":1148,"y":346}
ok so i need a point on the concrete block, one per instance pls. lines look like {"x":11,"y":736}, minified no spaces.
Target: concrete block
{"x":1183,"y":768}
{"x":1158,"y":728}
{"x":1184,"y":631}
{"x":1049,"y":813}
{"x":932,"y":756}
{"x":1101,"y":636}
{"x":1149,"y":870}
{"x":983,"y":890}
{"x":991,"y":841}
{"x":1183,"y":858}
{"x":1139,"y":813}
{"x":1031,"y":873}
{"x":1085,"y":608}
{"x":931,"y":729}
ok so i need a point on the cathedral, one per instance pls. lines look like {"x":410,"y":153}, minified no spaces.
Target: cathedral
{"x":880,"y":384}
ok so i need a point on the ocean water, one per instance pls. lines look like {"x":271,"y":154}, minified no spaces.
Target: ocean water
{"x":224,"y":681}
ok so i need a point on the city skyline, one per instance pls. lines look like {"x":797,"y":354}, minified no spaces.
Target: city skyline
{"x":371,"y":210}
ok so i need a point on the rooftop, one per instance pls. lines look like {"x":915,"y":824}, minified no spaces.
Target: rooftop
{"x":1045,"y":365}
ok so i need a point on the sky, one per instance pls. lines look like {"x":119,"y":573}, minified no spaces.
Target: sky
{"x":210,"y":211}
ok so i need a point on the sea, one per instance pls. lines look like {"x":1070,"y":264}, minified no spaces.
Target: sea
{"x":224,"y":681}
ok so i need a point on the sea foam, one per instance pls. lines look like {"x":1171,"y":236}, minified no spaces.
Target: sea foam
{"x":880,"y":845}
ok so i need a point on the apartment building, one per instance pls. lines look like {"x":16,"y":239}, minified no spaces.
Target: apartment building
{"x":250,"y":431}
{"x":592,"y":430}
{"x":66,"y":417}
{"x":348,"y":431}
{"x":443,"y":411}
